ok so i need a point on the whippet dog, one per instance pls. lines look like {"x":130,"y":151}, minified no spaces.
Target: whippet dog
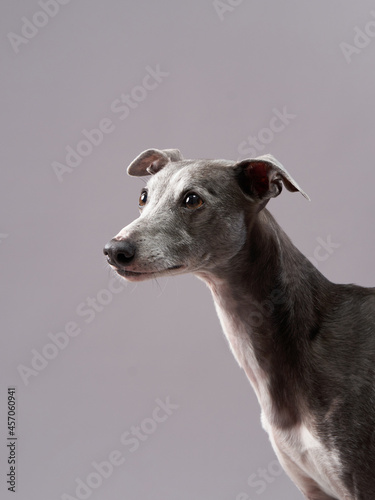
{"x":307,"y":345}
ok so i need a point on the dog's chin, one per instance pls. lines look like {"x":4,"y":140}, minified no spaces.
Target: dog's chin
{"x":147,"y":275}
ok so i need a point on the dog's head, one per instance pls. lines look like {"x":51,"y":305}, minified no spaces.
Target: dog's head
{"x":195,"y":214}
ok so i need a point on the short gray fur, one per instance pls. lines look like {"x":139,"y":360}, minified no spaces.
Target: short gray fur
{"x":309,"y":354}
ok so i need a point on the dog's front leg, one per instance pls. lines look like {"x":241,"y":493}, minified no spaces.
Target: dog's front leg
{"x":319,"y":495}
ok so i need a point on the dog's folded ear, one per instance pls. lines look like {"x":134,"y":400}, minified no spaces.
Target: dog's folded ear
{"x":153,"y":160}
{"x":263,"y":177}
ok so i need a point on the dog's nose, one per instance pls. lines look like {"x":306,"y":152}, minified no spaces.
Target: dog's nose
{"x":119,"y":252}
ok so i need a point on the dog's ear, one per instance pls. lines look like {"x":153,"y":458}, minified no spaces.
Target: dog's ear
{"x":153,"y":160}
{"x":262,"y":178}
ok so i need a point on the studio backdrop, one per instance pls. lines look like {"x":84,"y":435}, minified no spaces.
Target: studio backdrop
{"x":116,"y":390}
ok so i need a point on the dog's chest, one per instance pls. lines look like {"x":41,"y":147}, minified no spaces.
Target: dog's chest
{"x":305,"y":457}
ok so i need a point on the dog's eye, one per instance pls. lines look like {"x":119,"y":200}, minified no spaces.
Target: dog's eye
{"x":142,"y":199}
{"x":192,"y":201}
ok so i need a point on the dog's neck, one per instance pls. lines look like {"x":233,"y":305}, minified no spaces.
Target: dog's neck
{"x":267,"y":300}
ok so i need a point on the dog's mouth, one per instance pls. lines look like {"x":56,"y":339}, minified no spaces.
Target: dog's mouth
{"x":137,"y":275}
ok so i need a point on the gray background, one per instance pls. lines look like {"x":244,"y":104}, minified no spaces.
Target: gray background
{"x":226,"y":75}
